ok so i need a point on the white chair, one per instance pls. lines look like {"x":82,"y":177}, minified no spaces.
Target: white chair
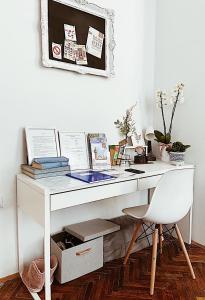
{"x":171,"y":201}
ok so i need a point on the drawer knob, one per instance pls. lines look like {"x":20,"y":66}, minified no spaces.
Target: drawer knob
{"x":83,"y":252}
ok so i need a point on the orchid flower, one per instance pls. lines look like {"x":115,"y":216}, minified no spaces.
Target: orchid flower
{"x":162,"y":101}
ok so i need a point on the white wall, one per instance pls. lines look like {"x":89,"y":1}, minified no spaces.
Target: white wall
{"x":180,"y":48}
{"x":35,"y":96}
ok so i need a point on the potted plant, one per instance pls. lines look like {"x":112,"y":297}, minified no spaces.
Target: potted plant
{"x":177,"y":152}
{"x":126,"y":125}
{"x":162,"y":101}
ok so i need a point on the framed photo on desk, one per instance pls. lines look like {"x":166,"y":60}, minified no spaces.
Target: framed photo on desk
{"x":73,"y":145}
{"x":41,"y":142}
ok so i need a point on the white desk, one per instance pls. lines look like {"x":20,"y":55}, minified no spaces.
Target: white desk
{"x":36,"y":199}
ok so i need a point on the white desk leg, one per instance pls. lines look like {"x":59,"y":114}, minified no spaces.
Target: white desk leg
{"x":20,"y":246}
{"x":20,"y":239}
{"x":149,"y":195}
{"x":47,"y":247}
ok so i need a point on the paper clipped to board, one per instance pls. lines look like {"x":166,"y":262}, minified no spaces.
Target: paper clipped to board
{"x":70,"y":32}
{"x":69,"y":50}
{"x":80,"y":53}
{"x":57,"y":50}
{"x":94,"y":42}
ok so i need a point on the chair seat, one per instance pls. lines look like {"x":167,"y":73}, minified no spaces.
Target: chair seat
{"x":137,"y":212}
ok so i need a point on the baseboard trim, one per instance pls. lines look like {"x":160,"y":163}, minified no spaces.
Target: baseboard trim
{"x":16,"y":275}
{"x":197,"y":244}
{"x":10,"y":277}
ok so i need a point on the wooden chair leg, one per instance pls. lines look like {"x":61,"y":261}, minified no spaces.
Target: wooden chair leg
{"x":134,"y":236}
{"x":154,"y":260}
{"x":185,"y":252}
{"x":160,"y":238}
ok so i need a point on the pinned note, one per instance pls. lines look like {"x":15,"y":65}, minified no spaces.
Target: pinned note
{"x":57,"y":50}
{"x":80,"y":54}
{"x":70,"y":33}
{"x":69,"y":50}
{"x":94,"y":42}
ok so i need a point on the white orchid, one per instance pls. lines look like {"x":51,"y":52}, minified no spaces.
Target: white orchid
{"x":177,"y":94}
{"x":180,"y":86}
{"x":162,"y":100}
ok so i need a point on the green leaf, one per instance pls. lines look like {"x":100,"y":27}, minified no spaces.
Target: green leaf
{"x":168,"y":138}
{"x":179,"y":147}
{"x":158,"y":134}
{"x":187,"y":146}
{"x":161,"y":138}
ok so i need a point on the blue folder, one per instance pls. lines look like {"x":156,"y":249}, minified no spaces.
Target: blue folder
{"x":90,"y":176}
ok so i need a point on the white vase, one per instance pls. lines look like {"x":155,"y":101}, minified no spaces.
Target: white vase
{"x":164,"y":155}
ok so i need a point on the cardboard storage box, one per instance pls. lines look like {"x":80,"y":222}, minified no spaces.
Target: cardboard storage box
{"x":92,"y":229}
{"x":79,"y":260}
{"x":115,"y":245}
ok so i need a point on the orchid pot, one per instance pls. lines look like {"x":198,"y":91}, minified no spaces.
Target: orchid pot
{"x":177,"y":153}
{"x":177,"y":158}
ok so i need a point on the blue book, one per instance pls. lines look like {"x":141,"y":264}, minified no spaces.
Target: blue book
{"x":43,"y":166}
{"x":42,"y":160}
{"x":90,"y":176}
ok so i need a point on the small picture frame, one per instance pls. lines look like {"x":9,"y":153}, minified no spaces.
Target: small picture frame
{"x":138,"y":139}
{"x":141,"y":150}
{"x":73,"y":145}
{"x":140,"y":155}
{"x":41,"y":142}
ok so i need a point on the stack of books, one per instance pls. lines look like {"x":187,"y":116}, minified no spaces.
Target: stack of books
{"x":47,"y":167}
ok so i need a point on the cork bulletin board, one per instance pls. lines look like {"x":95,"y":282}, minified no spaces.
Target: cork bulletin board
{"x":78,"y":36}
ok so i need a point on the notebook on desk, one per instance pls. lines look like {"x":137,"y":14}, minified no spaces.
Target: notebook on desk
{"x":90,"y":176}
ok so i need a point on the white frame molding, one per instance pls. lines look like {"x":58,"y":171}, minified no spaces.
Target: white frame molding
{"x":83,"y":5}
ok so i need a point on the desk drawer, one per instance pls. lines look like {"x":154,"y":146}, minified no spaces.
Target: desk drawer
{"x":73,"y":198}
{"x":148,"y":182}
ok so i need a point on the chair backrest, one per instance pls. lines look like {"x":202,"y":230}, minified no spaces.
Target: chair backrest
{"x":172,"y":197}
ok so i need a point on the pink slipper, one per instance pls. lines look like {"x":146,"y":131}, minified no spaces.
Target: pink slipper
{"x":34,"y":276}
{"x":54,"y":264}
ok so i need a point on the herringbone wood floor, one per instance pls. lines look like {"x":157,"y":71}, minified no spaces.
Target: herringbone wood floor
{"x":115,"y":282}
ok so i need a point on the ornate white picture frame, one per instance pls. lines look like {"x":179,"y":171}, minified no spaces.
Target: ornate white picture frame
{"x":90,"y":8}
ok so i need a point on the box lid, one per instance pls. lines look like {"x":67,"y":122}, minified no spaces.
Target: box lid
{"x":92,"y":229}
